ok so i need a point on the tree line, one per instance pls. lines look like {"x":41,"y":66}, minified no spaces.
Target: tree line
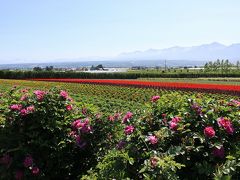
{"x":6,"y":74}
{"x":223,"y":66}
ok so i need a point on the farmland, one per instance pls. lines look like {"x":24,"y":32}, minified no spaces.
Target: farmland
{"x":119,"y":131}
{"x":230,"y":81}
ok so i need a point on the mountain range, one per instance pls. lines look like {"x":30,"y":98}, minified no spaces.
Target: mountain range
{"x":175,"y":56}
{"x":205,"y":52}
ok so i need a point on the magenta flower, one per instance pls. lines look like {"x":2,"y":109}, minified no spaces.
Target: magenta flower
{"x":86,"y":128}
{"x":39,"y":94}
{"x":121,"y":144}
{"x":77,"y":124}
{"x":35,"y":171}
{"x":84,"y":111}
{"x":127,"y":117}
{"x":155,"y":98}
{"x":164,"y":116}
{"x":117,"y":115}
{"x":176,"y":119}
{"x":229,"y":129}
{"x":24,"y":90}
{"x":197,"y":108}
{"x":64,"y":94}
{"x":69,"y":107}
{"x":153,"y":161}
{"x":236,"y":102}
{"x":111,"y":118}
{"x":19,"y":175}
{"x":30,"y":109}
{"x":83,"y":126}
{"x":218,"y":152}
{"x":24,"y":98}
{"x":6,"y":160}
{"x":28,"y":161}
{"x":129,"y":130}
{"x":98,"y":116}
{"x":153,"y":139}
{"x":70,"y":99}
{"x":173,"y":125}
{"x":16,"y":107}
{"x":209,"y":132}
{"x":73,"y":134}
{"x":226,"y":124}
{"x":23,"y":112}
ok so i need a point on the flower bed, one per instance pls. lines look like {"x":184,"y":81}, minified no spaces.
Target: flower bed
{"x":46,"y":135}
{"x":213,"y":88}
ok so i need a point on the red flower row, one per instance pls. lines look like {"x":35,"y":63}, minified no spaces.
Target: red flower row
{"x":214,"y":88}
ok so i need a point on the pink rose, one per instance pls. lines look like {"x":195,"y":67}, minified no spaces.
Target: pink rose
{"x":16,"y":107}
{"x":129,"y":130}
{"x":164,"y":115}
{"x":153,"y":161}
{"x":117,"y":115}
{"x":35,"y":170}
{"x":111,"y":118}
{"x":226,"y":124}
{"x":30,"y":109}
{"x":19,"y":175}
{"x":218,"y":152}
{"x":176,"y":119}
{"x":83,"y":126}
{"x":69,"y":107}
{"x":24,"y":98}
{"x":39,"y":94}
{"x":236,"y":102}
{"x":173,"y":125}
{"x":153,"y":139}
{"x":28,"y":161}
{"x":24,"y":90}
{"x":64,"y":94}
{"x":121,"y":144}
{"x":23,"y":112}
{"x":73,"y":134}
{"x":209,"y":132}
{"x":6,"y":160}
{"x":127,"y":117}
{"x":84,"y":111}
{"x":98,"y":116}
{"x":155,"y":98}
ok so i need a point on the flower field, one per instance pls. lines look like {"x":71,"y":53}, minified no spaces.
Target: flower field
{"x":213,"y":88}
{"x":93,"y":130}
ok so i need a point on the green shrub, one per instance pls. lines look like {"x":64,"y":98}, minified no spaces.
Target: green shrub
{"x":35,"y":139}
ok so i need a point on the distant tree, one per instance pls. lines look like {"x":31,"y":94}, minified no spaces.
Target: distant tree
{"x":218,"y":64}
{"x":92,"y":68}
{"x":100,"y":66}
{"x":37,"y":69}
{"x":210,"y":65}
{"x":206,"y":67}
{"x":238,"y":65}
{"x":222,"y":65}
{"x":49,"y":68}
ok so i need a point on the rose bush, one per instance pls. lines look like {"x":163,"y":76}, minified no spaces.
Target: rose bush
{"x":176,"y":137}
{"x":37,"y":140}
{"x":46,"y":135}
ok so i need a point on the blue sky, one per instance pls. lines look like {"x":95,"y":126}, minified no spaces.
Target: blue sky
{"x":52,"y":29}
